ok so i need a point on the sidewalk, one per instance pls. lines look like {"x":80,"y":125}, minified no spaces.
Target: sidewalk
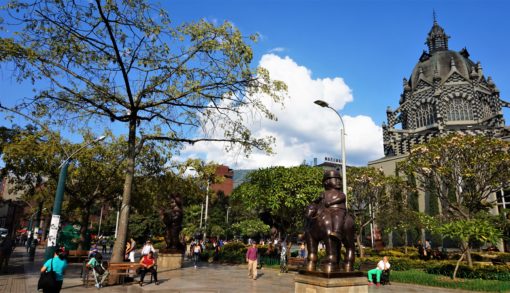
{"x":23,"y":275}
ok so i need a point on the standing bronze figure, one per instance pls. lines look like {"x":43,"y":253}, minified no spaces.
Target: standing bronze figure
{"x":172,"y":217}
{"x":327,"y":220}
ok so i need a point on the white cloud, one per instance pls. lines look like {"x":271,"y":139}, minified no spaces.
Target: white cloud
{"x":304,"y":130}
{"x":277,"y":50}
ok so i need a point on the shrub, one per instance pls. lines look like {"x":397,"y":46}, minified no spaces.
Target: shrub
{"x":504,"y":256}
{"x":501,"y":273}
{"x":233,"y":252}
{"x":478,"y":257}
{"x":404,"y":264}
{"x":392,"y":253}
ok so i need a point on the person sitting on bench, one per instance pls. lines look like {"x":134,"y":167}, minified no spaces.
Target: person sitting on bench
{"x":381,"y":266}
{"x":98,"y":270}
{"x":147,"y":265}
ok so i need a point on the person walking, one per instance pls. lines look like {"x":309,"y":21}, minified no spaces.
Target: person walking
{"x":197,"y":249}
{"x":58,"y":264}
{"x":381,"y":266}
{"x":130,"y":250}
{"x":5,"y":253}
{"x":103,"y":244}
{"x":112,"y":242}
{"x":251,"y":259}
{"x":283,"y":257}
{"x":148,"y":264}
{"x":302,"y":250}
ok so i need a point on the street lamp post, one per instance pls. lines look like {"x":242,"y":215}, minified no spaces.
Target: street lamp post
{"x":206,"y":209}
{"x":32,"y":230}
{"x":59,"y":195}
{"x":342,"y":135}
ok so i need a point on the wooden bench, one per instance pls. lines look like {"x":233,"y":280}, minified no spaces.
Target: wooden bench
{"x":77,"y":256}
{"x":295,"y":263}
{"x":122,"y":270}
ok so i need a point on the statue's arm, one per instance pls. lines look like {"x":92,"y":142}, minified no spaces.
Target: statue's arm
{"x":335,"y":200}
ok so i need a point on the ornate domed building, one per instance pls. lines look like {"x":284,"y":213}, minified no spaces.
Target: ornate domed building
{"x":446,"y":92}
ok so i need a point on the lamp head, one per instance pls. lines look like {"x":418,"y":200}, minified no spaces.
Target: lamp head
{"x":321,"y":103}
{"x":102,"y":137}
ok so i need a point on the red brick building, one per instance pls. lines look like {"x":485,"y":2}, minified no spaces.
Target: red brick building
{"x":227,"y":185}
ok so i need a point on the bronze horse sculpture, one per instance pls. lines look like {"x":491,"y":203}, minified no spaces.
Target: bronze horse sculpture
{"x":326,"y":220}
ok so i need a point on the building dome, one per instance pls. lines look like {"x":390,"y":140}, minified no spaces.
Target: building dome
{"x":440,"y":64}
{"x":446,"y":93}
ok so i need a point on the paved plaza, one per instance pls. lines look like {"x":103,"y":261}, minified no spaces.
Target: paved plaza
{"x":23,"y":274}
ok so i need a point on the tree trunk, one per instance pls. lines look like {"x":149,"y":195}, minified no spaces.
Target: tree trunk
{"x":465,"y":247}
{"x":390,"y":240}
{"x":457,"y":265}
{"x":358,"y":239}
{"x":84,"y":222}
{"x":406,"y":242}
{"x":46,"y":222}
{"x":120,"y":243}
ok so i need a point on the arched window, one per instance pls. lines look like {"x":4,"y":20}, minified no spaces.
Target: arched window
{"x":425,"y":115}
{"x":486,"y":110}
{"x":459,"y":109}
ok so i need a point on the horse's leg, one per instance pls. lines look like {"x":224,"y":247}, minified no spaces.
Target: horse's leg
{"x":312,"y":247}
{"x":349,"y":243}
{"x":331,"y":264}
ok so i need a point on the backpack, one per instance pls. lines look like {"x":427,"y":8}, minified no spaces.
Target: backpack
{"x":99,"y":269}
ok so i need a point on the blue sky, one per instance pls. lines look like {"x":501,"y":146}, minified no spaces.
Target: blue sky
{"x":353,"y":54}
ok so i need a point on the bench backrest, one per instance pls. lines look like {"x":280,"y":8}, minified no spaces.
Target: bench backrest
{"x":122,"y":265}
{"x":78,"y":253}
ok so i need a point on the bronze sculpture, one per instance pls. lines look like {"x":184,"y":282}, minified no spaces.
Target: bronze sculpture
{"x":172,"y":218}
{"x":327,"y":220}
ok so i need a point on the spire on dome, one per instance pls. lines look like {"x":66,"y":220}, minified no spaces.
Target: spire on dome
{"x":437,"y":39}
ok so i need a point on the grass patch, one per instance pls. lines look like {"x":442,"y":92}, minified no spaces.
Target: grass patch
{"x":420,"y":277}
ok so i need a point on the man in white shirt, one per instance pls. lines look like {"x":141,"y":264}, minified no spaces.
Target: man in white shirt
{"x":381,"y":266}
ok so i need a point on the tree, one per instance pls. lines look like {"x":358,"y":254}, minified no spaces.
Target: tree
{"x":398,"y":214}
{"x":94,"y":179}
{"x":480,"y":228}
{"x":281,"y":193}
{"x":463,"y":170}
{"x":250,"y":228}
{"x":124,"y":62}
{"x":365,"y":192}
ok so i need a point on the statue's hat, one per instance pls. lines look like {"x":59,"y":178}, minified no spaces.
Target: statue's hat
{"x":330,"y":174}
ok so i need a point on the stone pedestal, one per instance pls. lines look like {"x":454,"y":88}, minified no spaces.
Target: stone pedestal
{"x":170,"y":261}
{"x":322,"y":283}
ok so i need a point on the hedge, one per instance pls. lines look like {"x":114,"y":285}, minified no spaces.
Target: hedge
{"x":500,"y":272}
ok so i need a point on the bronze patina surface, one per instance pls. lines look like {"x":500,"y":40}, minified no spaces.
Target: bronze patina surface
{"x":327,"y":220}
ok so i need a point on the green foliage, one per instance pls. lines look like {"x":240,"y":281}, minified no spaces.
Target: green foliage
{"x":281,"y":192}
{"x":462,"y":170}
{"x":233,"y":252}
{"x":250,"y":228}
{"x":476,"y":229}
{"x":403,"y":264}
{"x":366,"y":190}
{"x":504,"y":257}
{"x":100,"y":62}
{"x":397,"y":263}
{"x":143,"y":227}
{"x":500,"y":272}
{"x":420,"y":277}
